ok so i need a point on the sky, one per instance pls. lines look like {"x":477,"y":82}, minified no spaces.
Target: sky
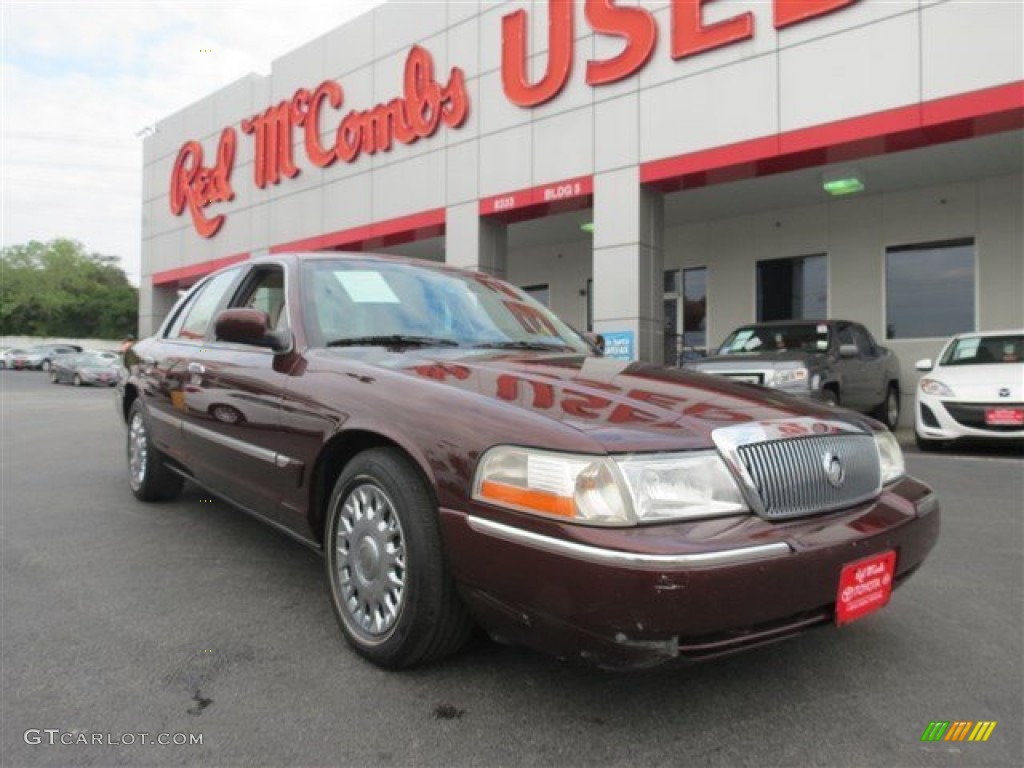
{"x":81,"y":80}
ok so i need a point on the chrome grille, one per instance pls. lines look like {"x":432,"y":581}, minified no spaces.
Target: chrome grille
{"x":791,"y":476}
{"x":801,"y":466}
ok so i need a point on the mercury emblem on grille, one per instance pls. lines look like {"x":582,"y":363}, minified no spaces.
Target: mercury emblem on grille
{"x":834,"y":471}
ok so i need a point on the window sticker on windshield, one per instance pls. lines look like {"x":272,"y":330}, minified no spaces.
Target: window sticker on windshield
{"x":967,"y":349}
{"x":365,"y":287}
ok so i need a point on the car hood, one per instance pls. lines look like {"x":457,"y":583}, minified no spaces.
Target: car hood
{"x":983,"y":383}
{"x":746,"y":361}
{"x":624,"y":406}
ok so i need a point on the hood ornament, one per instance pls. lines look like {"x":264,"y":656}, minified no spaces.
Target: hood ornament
{"x":834,"y":471}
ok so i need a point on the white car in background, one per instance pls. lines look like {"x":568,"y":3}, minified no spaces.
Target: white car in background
{"x":974,"y":390}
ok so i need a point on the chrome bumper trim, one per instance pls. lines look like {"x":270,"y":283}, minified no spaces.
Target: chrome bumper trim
{"x":625,"y":559}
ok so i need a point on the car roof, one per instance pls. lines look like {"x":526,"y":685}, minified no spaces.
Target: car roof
{"x":781,"y":323}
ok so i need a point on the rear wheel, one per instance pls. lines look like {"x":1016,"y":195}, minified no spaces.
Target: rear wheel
{"x":148,"y":476}
{"x":390,"y":587}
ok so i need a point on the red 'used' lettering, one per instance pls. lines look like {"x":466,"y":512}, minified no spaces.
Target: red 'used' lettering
{"x":690,"y":36}
{"x":637,"y":27}
{"x":197,"y":187}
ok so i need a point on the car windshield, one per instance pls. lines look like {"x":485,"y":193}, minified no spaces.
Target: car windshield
{"x":394,"y":303}
{"x":799,"y":337}
{"x":985,"y":350}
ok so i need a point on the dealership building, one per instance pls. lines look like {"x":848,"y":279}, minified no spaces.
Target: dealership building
{"x":659,"y":172}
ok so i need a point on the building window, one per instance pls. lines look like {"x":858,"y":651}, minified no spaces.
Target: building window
{"x":929,"y":290}
{"x":590,"y":305}
{"x":792,"y":289}
{"x":695,"y":309}
{"x":672,"y":288}
{"x":538,"y":293}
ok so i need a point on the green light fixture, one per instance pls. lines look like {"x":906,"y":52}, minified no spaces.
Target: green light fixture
{"x":588,"y":227}
{"x":844,"y":181}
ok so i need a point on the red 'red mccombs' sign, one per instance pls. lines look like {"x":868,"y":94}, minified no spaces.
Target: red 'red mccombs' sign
{"x":417,"y":114}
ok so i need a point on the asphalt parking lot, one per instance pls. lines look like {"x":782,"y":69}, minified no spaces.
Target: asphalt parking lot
{"x":120,"y":619}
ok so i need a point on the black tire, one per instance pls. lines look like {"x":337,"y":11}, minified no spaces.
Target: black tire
{"x":150,"y":480}
{"x":888,"y":411}
{"x":427,"y":620}
{"x":925,"y":445}
{"x":76,"y":380}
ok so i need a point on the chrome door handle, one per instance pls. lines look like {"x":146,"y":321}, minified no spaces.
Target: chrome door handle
{"x":196,"y":368}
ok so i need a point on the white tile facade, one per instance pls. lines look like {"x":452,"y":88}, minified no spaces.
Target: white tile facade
{"x":858,"y":61}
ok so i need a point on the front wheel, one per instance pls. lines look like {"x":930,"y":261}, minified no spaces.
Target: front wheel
{"x":148,"y":476}
{"x":888,"y":412}
{"x":390,"y":587}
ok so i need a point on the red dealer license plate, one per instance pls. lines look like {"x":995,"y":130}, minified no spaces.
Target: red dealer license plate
{"x":1004,"y":417}
{"x":864,"y":586}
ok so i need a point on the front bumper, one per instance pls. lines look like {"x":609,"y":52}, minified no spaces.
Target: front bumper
{"x":637,"y":597}
{"x":948,"y":419}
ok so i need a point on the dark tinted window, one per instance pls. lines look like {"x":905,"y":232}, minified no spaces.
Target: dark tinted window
{"x":792,"y":289}
{"x":929,"y":290}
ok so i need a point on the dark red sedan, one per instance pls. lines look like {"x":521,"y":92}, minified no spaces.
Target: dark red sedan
{"x":460,"y":456}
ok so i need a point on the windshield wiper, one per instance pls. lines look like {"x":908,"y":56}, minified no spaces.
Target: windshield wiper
{"x":393,"y":340}
{"x":539,"y":345}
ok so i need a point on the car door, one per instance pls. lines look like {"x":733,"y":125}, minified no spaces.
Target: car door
{"x":851,"y":370}
{"x":232,"y":397}
{"x":160,"y":363}
{"x":875,"y":377}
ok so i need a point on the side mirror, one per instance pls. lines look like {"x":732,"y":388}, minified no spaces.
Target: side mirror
{"x":242,"y":325}
{"x":924,"y":365}
{"x":848,"y":350}
{"x":595,"y":340}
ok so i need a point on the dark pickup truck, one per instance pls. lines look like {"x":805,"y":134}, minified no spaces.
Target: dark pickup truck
{"x":834,"y":361}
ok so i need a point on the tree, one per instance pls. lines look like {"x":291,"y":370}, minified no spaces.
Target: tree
{"x":58,"y":289}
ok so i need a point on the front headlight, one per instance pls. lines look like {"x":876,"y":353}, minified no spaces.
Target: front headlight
{"x":601,"y":490}
{"x":789,"y":376}
{"x":936,"y":388}
{"x":681,"y":486}
{"x":890,"y":457}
